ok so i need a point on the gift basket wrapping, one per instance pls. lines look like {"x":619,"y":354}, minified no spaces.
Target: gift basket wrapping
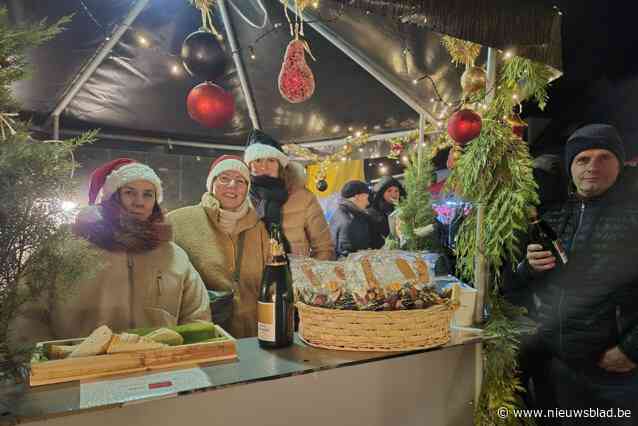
{"x":374,"y":300}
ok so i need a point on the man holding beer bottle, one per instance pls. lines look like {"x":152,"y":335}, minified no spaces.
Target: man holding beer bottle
{"x":589,"y":298}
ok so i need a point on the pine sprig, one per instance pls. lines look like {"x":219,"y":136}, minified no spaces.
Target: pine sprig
{"x":495,"y":170}
{"x":414,"y":208}
{"x":14,"y":43}
{"x":501,"y":385}
{"x":37,"y":253}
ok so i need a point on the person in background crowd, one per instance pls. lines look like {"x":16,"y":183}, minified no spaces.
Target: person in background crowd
{"x":279,"y":195}
{"x":589,"y":306}
{"x":226,"y":241}
{"x":385,"y":197}
{"x":350,"y":223}
{"x":145,"y":279}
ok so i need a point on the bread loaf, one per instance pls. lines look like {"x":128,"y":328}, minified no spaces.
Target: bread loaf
{"x":95,"y":344}
{"x":127,"y":342}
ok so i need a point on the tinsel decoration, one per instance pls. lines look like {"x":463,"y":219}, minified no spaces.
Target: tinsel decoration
{"x":311,"y":156}
{"x":473,"y":80}
{"x":205,"y":7}
{"x":462,"y":52}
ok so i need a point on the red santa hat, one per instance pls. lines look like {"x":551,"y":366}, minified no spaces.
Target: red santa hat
{"x":109,"y":177}
{"x":225,"y":163}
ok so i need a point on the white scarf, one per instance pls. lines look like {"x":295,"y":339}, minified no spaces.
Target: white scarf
{"x":228,"y":219}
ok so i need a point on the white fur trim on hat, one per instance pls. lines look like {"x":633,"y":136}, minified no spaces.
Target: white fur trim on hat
{"x":223,"y":166}
{"x":257,"y":151}
{"x":130,"y":173}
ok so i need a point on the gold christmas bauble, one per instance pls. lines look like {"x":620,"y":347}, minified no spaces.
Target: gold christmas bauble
{"x":473,"y":80}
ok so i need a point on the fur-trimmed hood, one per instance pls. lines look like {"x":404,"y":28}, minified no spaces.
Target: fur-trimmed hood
{"x":295,"y":176}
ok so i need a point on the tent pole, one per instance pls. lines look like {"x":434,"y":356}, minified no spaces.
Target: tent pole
{"x":239,"y":64}
{"x":389,"y":81}
{"x":90,"y":68}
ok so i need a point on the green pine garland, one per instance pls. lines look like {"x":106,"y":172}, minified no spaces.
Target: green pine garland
{"x":495,"y":170}
{"x":413,"y":215}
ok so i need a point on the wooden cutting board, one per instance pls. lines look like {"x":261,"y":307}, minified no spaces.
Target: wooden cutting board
{"x":69,"y":369}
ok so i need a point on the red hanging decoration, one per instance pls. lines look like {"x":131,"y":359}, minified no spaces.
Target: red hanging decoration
{"x":210,"y":105}
{"x":464,"y":125}
{"x":517,"y":124}
{"x":396,"y":149}
{"x":296,"y":81}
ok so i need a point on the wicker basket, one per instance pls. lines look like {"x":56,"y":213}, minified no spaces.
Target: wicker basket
{"x":377,"y":331}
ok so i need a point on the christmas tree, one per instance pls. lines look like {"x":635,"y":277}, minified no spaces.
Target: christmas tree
{"x":35,"y":177}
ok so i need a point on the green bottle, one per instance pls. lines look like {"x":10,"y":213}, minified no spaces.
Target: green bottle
{"x":275,"y":307}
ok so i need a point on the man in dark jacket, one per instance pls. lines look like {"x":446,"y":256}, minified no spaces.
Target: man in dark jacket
{"x":350,"y":224}
{"x":385,"y":196}
{"x":589,"y":306}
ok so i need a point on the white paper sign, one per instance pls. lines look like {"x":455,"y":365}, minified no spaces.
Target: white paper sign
{"x":105,"y":392}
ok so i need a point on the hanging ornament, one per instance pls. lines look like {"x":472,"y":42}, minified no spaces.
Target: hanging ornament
{"x":320,"y":178}
{"x":517,"y":124}
{"x":210,"y":105}
{"x":296,"y":81}
{"x":396,"y":149}
{"x":203,"y":56}
{"x":464,"y":125}
{"x":473,"y":80}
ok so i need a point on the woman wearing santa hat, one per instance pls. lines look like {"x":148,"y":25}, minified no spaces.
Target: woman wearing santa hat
{"x":279,"y":195}
{"x":143,"y":278}
{"x":226,"y":241}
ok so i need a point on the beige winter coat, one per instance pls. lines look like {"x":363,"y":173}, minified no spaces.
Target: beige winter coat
{"x":303,"y":222}
{"x":159,"y":287}
{"x":212,"y":251}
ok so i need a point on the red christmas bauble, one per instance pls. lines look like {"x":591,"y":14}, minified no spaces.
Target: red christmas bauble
{"x":519,"y":131}
{"x":210,"y":105}
{"x":464,"y":125}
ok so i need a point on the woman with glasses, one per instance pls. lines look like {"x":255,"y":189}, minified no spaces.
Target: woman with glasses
{"x":226,"y":241}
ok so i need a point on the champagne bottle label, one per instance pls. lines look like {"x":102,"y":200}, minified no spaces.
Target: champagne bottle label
{"x":266,"y":321}
{"x":560,"y":250}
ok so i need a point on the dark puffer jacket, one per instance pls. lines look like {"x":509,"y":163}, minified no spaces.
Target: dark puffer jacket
{"x":380,"y":209}
{"x":350,"y":229}
{"x":591,"y":304}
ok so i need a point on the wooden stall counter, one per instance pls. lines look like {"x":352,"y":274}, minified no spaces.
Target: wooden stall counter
{"x":297,"y":385}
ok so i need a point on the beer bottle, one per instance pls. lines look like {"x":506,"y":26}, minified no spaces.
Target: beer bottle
{"x":542,"y":233}
{"x":275,"y":307}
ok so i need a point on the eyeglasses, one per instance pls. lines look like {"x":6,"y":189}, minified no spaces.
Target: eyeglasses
{"x":226,"y":181}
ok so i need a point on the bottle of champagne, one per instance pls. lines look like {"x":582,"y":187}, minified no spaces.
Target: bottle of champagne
{"x":275,"y":307}
{"x":543,"y":234}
